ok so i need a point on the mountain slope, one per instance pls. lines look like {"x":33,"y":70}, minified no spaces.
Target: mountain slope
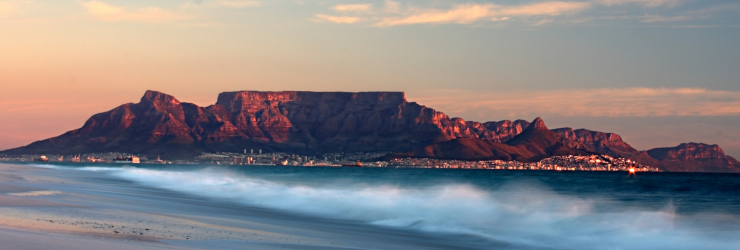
{"x":533,"y":144}
{"x":695,"y":157}
{"x":322,"y":122}
{"x":157,"y":121}
{"x":607,"y":144}
{"x":289,"y":121}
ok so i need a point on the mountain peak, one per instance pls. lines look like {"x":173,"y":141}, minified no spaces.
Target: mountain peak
{"x":158,"y":97}
{"x":538,"y":124}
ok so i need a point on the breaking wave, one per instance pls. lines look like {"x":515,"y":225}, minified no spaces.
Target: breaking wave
{"x":523,"y":214}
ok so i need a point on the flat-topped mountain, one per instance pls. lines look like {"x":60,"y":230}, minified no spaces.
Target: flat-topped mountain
{"x":291,"y":121}
{"x":597,"y":141}
{"x":695,"y":156}
{"x":323,"y":122}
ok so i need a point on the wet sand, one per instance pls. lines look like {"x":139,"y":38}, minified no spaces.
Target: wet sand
{"x":66,"y":209}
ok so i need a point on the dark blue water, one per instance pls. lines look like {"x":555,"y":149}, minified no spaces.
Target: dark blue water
{"x":526,"y":209}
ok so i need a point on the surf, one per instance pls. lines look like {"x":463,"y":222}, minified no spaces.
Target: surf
{"x":525,"y":214}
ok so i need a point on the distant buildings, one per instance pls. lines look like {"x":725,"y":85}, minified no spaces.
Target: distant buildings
{"x":558,"y":163}
{"x":369,"y":159}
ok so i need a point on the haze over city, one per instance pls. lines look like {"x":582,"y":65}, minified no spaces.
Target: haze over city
{"x":657,"y":72}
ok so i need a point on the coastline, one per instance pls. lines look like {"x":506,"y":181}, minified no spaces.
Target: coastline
{"x":28,"y":211}
{"x":271,"y":207}
{"x":40,"y":207}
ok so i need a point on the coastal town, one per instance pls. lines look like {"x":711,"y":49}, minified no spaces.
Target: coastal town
{"x":361,"y":159}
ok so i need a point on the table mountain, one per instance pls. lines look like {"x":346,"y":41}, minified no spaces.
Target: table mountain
{"x":289,"y":121}
{"x":321,"y":122}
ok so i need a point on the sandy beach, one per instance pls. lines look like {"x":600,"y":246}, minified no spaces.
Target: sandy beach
{"x":29,"y":220}
{"x":49,"y":208}
{"x":114,"y":206}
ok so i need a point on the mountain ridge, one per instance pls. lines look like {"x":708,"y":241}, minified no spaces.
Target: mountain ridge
{"x":535,"y":143}
{"x":710,"y":157}
{"x":320,"y":122}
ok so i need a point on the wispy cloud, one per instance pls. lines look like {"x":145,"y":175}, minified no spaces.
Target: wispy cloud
{"x":543,"y":22}
{"x":107,"y":12}
{"x":659,"y":18}
{"x":544,"y":8}
{"x":626,"y":102}
{"x":238,"y":3}
{"x":469,"y":13}
{"x":395,"y":13}
{"x":353,"y":7}
{"x":648,"y":3}
{"x":339,"y":19}
{"x":392,"y":6}
{"x":460,"y":14}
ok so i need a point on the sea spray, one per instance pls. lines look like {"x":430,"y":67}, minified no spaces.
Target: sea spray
{"x":525,"y":213}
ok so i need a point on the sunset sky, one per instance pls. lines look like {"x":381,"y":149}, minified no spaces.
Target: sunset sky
{"x":657,"y":72}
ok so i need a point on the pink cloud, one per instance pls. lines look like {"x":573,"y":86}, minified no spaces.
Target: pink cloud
{"x":107,"y":12}
{"x":626,"y":102}
{"x":339,"y":19}
{"x":469,"y":13}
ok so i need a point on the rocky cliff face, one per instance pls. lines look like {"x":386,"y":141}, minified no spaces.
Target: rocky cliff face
{"x":596,"y":141}
{"x":499,"y":131}
{"x":304,"y":122}
{"x":536,"y":142}
{"x":330,"y":121}
{"x":695,"y":157}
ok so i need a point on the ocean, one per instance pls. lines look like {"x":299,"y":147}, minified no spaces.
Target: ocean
{"x":453,"y":208}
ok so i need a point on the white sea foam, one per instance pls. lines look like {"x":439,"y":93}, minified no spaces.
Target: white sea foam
{"x":83,"y":168}
{"x":524,"y":214}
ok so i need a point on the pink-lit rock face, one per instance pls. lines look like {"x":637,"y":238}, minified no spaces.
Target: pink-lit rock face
{"x":534,"y":143}
{"x":689,"y":152}
{"x":696,"y":157}
{"x":596,"y":141}
{"x":286,"y":121}
{"x":338,"y":120}
{"x":319,"y":122}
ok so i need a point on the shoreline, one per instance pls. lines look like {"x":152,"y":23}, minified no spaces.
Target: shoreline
{"x":222,"y":207}
{"x":97,"y":209}
{"x":20,"y":201}
{"x":27,"y":207}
